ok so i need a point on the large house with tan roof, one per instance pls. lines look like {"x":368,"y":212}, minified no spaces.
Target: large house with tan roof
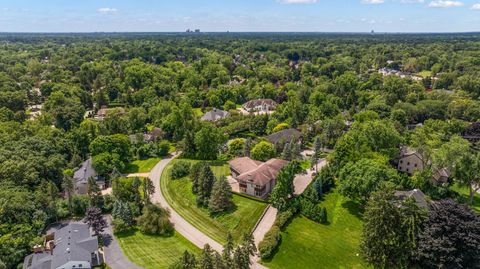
{"x":256,"y":178}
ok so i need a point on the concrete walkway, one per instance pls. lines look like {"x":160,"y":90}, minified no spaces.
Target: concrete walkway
{"x":265,"y":224}
{"x":114,"y":256}
{"x":138,"y":175}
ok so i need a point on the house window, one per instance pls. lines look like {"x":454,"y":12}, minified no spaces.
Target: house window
{"x":416,"y":165}
{"x":408,"y":163}
{"x":401,"y":161}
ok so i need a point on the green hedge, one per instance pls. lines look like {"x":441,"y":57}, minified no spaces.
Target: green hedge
{"x":270,"y":242}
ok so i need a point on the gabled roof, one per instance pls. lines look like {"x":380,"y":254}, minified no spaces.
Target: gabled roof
{"x":284,"y":136}
{"x":259,"y":102}
{"x":441,"y":175}
{"x":416,"y":194}
{"x":85,"y":172}
{"x":244,"y":164}
{"x":73,"y":246}
{"x":215,"y":114}
{"x":406,"y":151}
{"x":258,"y":173}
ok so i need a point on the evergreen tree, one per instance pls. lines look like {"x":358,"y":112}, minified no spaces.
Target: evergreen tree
{"x":205,"y":185}
{"x":195,"y":173}
{"x":296,"y":150}
{"x":221,"y":197}
{"x":227,"y":252}
{"x":323,"y":216}
{"x":241,"y":258}
{"x":249,"y":244}
{"x":122,"y":211}
{"x":287,"y":152}
{"x":187,"y":261}
{"x":207,"y":258}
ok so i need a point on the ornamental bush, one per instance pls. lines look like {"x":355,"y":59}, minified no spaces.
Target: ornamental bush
{"x":270,"y":243}
{"x":180,"y":169}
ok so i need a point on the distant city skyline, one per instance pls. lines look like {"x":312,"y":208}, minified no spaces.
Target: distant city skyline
{"x":240,"y":15}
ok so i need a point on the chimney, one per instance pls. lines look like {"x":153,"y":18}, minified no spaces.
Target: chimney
{"x":214,"y":109}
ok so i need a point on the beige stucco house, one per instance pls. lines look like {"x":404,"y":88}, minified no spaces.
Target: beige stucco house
{"x":410,"y":161}
{"x":256,"y":178}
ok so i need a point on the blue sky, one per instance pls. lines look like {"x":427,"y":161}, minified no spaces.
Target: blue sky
{"x":239,"y":15}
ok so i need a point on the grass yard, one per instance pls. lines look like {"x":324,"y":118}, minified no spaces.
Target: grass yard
{"x":238,"y":221}
{"x":150,"y":251}
{"x":198,"y":112}
{"x":464,"y":198}
{"x":141,"y":166}
{"x":424,"y":73}
{"x":306,"y":244}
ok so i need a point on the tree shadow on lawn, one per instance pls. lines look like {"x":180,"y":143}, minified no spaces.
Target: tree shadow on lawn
{"x":133,"y":231}
{"x":230,"y":211}
{"x":354,"y":208}
{"x":131,"y":168}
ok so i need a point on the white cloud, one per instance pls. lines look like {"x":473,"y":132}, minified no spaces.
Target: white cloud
{"x":445,"y":3}
{"x":106,"y":10}
{"x":373,"y":2}
{"x":476,"y":6}
{"x":298,"y":1}
{"x":412,"y":1}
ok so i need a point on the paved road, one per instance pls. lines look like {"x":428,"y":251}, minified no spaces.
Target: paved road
{"x":114,"y":256}
{"x":302,"y":181}
{"x":181,"y":225}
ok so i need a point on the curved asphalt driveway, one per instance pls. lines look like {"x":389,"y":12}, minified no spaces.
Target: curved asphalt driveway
{"x":182,"y":226}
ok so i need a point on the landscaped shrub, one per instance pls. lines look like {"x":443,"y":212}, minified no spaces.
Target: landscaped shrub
{"x":180,"y":169}
{"x":283,"y":218}
{"x":270,"y":242}
{"x":162,"y":148}
{"x":313,"y":212}
{"x":154,"y":220}
{"x":119,"y":226}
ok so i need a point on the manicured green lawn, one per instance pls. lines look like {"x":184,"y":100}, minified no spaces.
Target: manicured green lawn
{"x":465,"y":196}
{"x":141,"y":166}
{"x":150,"y":251}
{"x":306,"y":244}
{"x":238,"y":221}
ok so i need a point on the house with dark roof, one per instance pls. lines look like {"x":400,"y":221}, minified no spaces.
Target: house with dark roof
{"x":81,"y":176}
{"x":215,"y":115}
{"x":69,"y":247}
{"x":260,"y":105}
{"x":256,"y":178}
{"x":417,"y":195}
{"x":280,"y":138}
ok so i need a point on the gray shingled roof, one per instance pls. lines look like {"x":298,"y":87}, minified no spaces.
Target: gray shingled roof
{"x":215,"y":114}
{"x":84,"y":172}
{"x":73,"y":247}
{"x":284,"y":136}
{"x":416,"y":194}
